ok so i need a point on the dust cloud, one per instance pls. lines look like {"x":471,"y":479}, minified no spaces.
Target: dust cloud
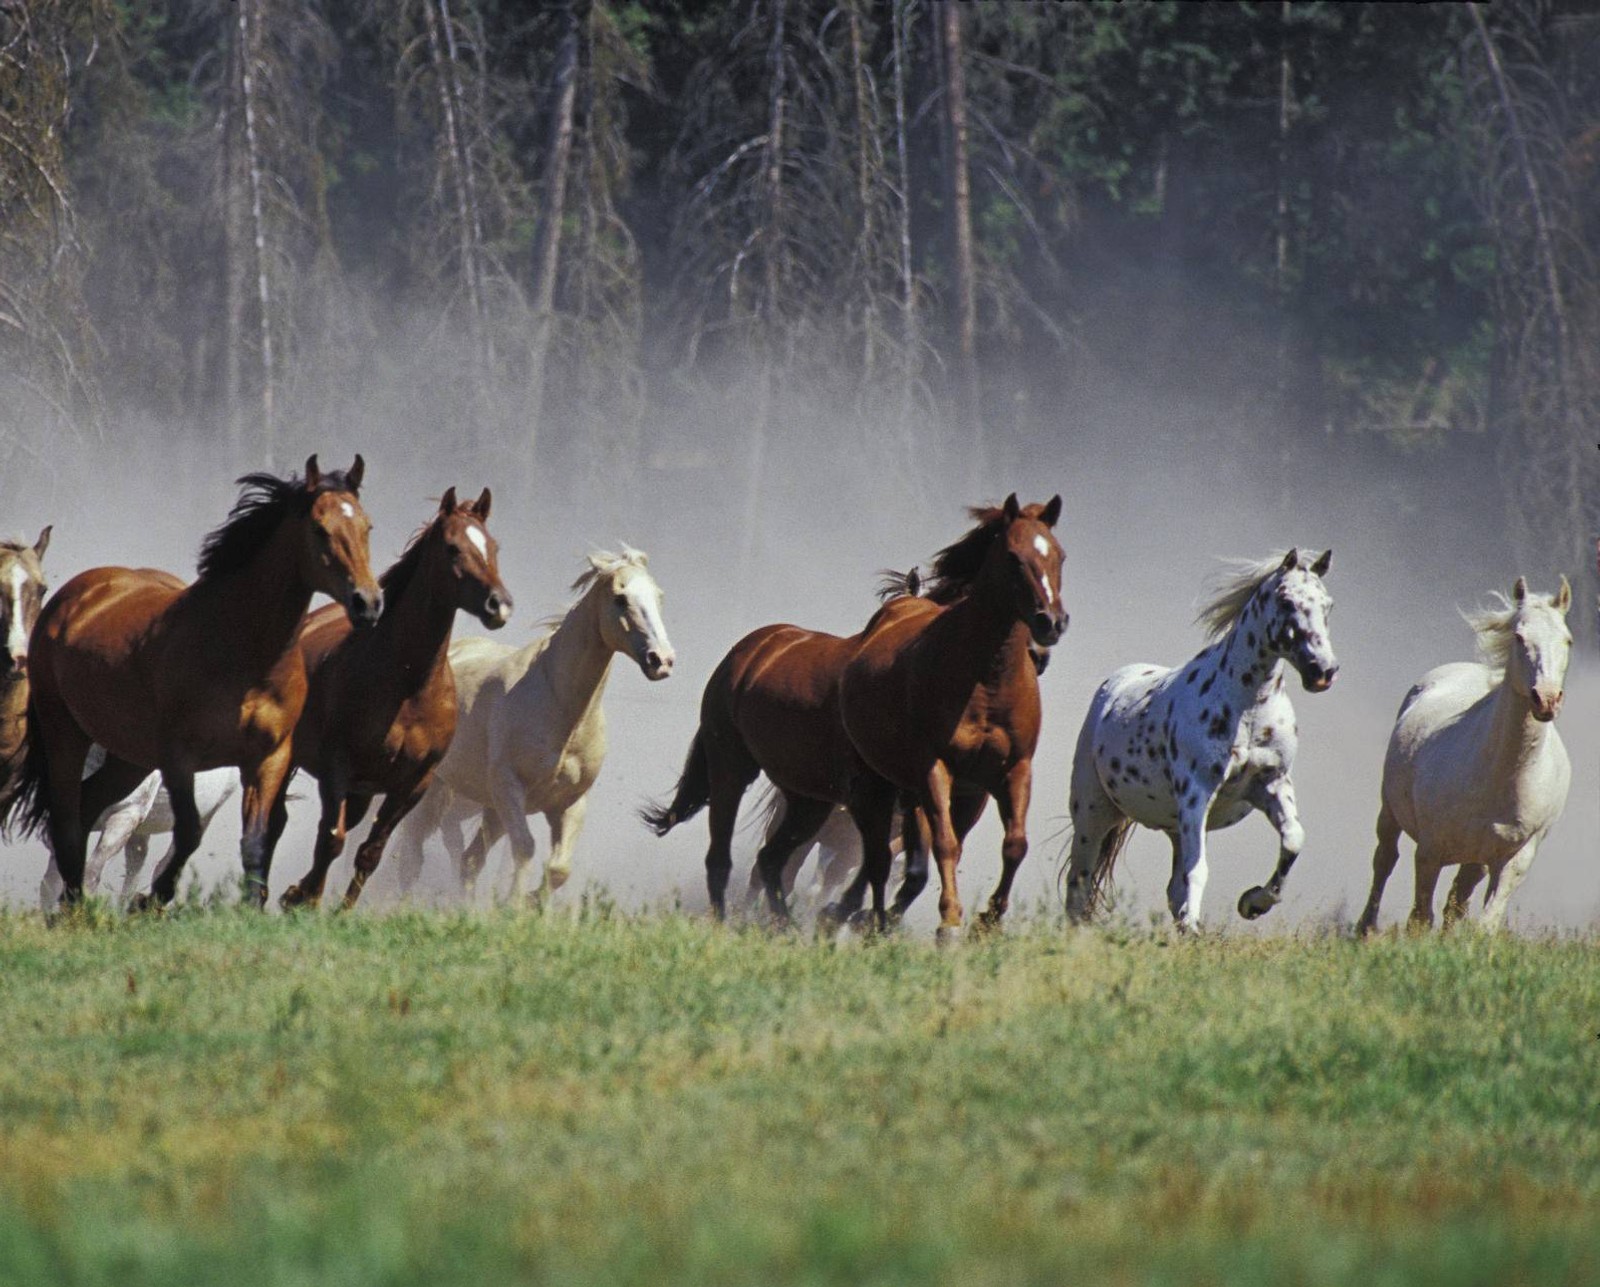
{"x":1154,"y":493}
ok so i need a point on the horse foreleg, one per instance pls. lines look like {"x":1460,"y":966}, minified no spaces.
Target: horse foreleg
{"x":1012,"y":801}
{"x":510,"y":802}
{"x":1384,"y":858}
{"x":332,"y":827}
{"x":1275,"y":798}
{"x":471,"y":858}
{"x":396,"y":804}
{"x":263,"y":783}
{"x":1455,"y":902}
{"x":935,"y":805}
{"x":1188,"y":884}
{"x":117,"y":826}
{"x":1504,"y":883}
{"x":134,"y":857}
{"x":916,"y":842}
{"x":565,"y":827}
{"x":1428,"y":868}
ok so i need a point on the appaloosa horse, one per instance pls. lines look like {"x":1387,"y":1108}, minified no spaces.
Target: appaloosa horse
{"x":381,"y":710}
{"x":184,"y":678}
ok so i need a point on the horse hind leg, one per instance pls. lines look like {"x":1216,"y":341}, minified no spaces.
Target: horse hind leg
{"x":1097,"y":829}
{"x":1457,"y":900}
{"x":1384,"y":858}
{"x":916,"y":843}
{"x":730,"y":775}
{"x":803,"y":818}
{"x":62,"y":746}
{"x":566,"y":825}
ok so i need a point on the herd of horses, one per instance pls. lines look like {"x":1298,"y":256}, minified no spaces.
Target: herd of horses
{"x":133,"y":703}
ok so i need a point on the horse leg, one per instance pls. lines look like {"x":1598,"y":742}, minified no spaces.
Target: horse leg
{"x":1188,"y":883}
{"x":1012,"y":802}
{"x":916,"y":842}
{"x":802,"y":819}
{"x":263,"y":783}
{"x":396,"y":804}
{"x":178,"y":781}
{"x":1504,"y":883}
{"x":565,"y":827}
{"x":332,"y":827}
{"x":1384,"y":858}
{"x":935,"y":805}
{"x":1094,"y":826}
{"x":413,"y":833}
{"x":134,"y":857}
{"x":473,"y":857}
{"x":1275,"y":798}
{"x":872,"y":803}
{"x":65,"y":748}
{"x":116,"y":833}
{"x":1428,"y":869}
{"x":510,"y":803}
{"x":731,"y":776}
{"x":1455,"y":902}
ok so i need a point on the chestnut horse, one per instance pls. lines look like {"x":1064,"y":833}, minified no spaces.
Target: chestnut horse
{"x":381,"y":709}
{"x":941,"y":702}
{"x":184,"y":678}
{"x":22,"y":587}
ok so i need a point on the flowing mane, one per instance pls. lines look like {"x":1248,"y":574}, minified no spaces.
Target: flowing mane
{"x":604,"y":562}
{"x":955,"y":567}
{"x":398,"y":575}
{"x":1232,"y":590}
{"x":264,"y":503}
{"x":1494,"y":627}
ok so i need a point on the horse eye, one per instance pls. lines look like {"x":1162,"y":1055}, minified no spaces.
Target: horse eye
{"x":620,"y":600}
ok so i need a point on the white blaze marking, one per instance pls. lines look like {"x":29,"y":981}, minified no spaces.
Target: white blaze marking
{"x":17,"y":634}
{"x":479,"y":541}
{"x":1042,"y":545}
{"x":1048,"y":597}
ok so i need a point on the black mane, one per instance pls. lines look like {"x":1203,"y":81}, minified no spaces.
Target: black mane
{"x":400,"y":573}
{"x":265,"y":502}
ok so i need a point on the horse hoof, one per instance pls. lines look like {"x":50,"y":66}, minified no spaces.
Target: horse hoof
{"x":987,"y":922}
{"x":294,"y":898}
{"x":948,"y":935}
{"x":1256,"y":901}
{"x":140,"y":904}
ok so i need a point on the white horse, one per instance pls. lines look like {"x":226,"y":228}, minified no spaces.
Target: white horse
{"x":838,"y":848}
{"x":1476,"y":772}
{"x":531,"y":736}
{"x":1195,"y":749}
{"x":128,"y":825}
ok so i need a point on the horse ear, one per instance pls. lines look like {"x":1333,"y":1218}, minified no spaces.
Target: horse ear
{"x":1011,"y":509}
{"x":447,"y":502}
{"x":1320,"y":567}
{"x":1291,"y":561}
{"x":313,"y":473}
{"x":43,"y":543}
{"x":1052,"y":512}
{"x":1563,"y":599}
{"x":1519,"y":591}
{"x":356,"y":473}
{"x":482,"y":504}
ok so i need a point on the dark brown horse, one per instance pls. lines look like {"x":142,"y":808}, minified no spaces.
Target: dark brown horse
{"x":22,"y":588}
{"x":381,"y":711}
{"x":941,"y":702}
{"x":183,"y":678}
{"x":771,"y":706}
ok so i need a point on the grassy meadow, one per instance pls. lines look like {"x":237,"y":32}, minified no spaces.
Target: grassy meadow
{"x":433,"y":1098}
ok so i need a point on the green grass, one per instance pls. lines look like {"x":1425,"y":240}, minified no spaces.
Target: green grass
{"x":424,"y":1098}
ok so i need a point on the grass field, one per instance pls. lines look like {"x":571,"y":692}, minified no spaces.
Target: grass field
{"x":428,"y":1098}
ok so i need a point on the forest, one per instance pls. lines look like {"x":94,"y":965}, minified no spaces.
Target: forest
{"x":598,"y":243}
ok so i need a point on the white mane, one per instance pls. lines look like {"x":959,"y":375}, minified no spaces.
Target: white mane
{"x":1232,"y":590}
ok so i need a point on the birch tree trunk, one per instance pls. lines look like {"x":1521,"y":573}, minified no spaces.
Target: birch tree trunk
{"x":457,"y":166}
{"x":249,"y":15}
{"x":959,"y":192}
{"x":899,"y":20}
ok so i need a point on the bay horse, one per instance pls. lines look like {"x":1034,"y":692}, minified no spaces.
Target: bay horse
{"x":533,"y":731}
{"x":940,"y":703}
{"x":183,"y":678}
{"x":1197,"y":747}
{"x":380,"y":708}
{"x":1476,"y":773}
{"x":22,"y":588}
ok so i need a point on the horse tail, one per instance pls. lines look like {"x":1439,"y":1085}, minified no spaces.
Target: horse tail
{"x":23,"y":807}
{"x":1106,"y":865}
{"x":693,"y":792}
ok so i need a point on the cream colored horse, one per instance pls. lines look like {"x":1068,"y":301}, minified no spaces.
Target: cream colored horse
{"x":531,"y":736}
{"x":1476,"y":772}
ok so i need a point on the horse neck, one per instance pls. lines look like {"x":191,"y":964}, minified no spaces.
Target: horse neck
{"x":1515,"y":737}
{"x":576,"y":661}
{"x":415,"y":628}
{"x":262,"y":602}
{"x":13,"y":713}
{"x":982,"y":633}
{"x":1241,"y":666}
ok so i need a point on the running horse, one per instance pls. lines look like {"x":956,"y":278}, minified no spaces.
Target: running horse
{"x":183,"y":678}
{"x":381,"y":710}
{"x":22,"y":587}
{"x":940,"y":703}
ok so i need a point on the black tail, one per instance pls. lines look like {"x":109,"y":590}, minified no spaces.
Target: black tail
{"x":22,"y":796}
{"x":692,"y":795}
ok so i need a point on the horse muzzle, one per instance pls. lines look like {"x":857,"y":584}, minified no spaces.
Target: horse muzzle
{"x":1545,"y":706}
{"x":15,"y":666}
{"x":1318,"y":679}
{"x":1046,"y":628}
{"x":658,"y":663}
{"x":364,"y":607}
{"x":496,"y":610}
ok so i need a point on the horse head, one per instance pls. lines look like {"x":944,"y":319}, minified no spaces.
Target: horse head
{"x":1032,"y":562}
{"x":474,"y":558}
{"x":337,"y":530}
{"x":1540,"y":647}
{"x":22,"y":587}
{"x":1296,"y":625}
{"x":630,"y":610}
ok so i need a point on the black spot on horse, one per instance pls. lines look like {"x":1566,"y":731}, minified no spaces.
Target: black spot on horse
{"x":1206,"y":687}
{"x":1116,"y":764}
{"x":1191,"y":676}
